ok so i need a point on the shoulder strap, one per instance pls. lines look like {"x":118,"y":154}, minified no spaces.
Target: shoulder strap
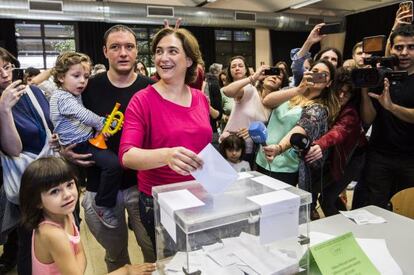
{"x":51,"y":223}
{"x":39,"y":110}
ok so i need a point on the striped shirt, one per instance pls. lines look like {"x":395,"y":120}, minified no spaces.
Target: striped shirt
{"x":72,"y":121}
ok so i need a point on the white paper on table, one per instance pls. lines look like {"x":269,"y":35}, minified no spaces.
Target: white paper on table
{"x":363,"y":216}
{"x":271,"y":182}
{"x":258,"y":258}
{"x":173,"y":201}
{"x":279,"y":217}
{"x":244,"y":175}
{"x":216,"y":175}
{"x":224,"y":257}
{"x":198,"y":260}
{"x":247,"y":270}
{"x":375,"y":249}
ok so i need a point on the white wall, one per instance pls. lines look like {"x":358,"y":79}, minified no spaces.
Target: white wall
{"x":263,"y":50}
{"x":336,"y":40}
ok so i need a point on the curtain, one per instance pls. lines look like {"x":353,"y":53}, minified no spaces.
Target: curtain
{"x":90,"y":40}
{"x":206,"y":39}
{"x":8,"y":36}
{"x":369,"y":23}
{"x":283,"y":41}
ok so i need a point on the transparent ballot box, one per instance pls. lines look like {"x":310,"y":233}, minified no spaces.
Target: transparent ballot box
{"x":251,"y":228}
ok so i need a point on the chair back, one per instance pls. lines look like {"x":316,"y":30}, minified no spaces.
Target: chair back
{"x":403,"y":202}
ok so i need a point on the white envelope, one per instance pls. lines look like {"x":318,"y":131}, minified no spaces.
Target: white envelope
{"x":216,"y":175}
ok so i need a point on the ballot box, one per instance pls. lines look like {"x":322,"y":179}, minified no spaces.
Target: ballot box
{"x":251,"y":228}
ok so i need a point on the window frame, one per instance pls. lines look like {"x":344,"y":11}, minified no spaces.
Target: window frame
{"x":44,"y":38}
{"x":233,"y":45}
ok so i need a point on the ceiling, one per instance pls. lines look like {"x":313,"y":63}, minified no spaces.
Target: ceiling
{"x":323,"y":8}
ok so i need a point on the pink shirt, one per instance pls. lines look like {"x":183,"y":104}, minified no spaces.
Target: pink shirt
{"x":39,"y":268}
{"x":152,"y":122}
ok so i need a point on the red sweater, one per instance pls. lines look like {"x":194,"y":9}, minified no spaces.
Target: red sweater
{"x":345,"y":135}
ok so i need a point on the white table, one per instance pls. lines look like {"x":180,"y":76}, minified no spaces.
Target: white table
{"x":398,"y":232}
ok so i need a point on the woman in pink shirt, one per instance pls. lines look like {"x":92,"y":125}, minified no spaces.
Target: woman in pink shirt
{"x":166,"y":124}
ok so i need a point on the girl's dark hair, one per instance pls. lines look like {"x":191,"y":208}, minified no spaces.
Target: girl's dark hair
{"x":41,"y":175}
{"x":342,"y":78}
{"x":335,"y":50}
{"x":285,"y":65}
{"x":310,"y":60}
{"x":220,"y":80}
{"x":143,"y":65}
{"x":232,"y":142}
{"x":229,"y":76}
{"x":285,"y":78}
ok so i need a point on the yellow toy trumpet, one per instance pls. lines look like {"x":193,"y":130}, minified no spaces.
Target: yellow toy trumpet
{"x":99,"y":140}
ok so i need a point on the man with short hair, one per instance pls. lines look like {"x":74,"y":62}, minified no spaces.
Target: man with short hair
{"x":105,"y":89}
{"x":358,"y":55}
{"x":390,"y":158}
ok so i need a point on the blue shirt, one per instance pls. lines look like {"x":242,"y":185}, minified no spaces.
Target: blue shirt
{"x":28,"y":122}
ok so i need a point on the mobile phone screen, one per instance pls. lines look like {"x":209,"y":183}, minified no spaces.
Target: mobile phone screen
{"x":330,"y":28}
{"x":318,"y":77}
{"x":373,"y":44}
{"x":17,"y":74}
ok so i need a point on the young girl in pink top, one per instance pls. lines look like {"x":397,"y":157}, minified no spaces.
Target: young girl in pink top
{"x":48,"y":196}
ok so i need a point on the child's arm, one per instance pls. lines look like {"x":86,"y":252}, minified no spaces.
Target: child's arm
{"x":81,"y":257}
{"x":56,"y":242}
{"x":136,"y":269}
{"x":68,"y":106}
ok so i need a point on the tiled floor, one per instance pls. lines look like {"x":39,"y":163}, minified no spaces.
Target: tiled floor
{"x":95,"y":253}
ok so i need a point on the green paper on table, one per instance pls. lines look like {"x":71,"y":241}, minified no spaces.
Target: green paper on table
{"x":341,"y":255}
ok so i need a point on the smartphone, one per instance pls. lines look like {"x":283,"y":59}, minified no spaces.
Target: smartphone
{"x":17,"y":74}
{"x":374,"y":44}
{"x":319,"y":77}
{"x":272,"y":71}
{"x":330,"y":28}
{"x":407,"y":6}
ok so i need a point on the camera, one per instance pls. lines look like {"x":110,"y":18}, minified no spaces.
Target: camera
{"x":380,"y":67}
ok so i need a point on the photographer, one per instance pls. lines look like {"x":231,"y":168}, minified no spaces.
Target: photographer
{"x":390,"y":158}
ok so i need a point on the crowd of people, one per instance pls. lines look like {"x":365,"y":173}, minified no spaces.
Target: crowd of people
{"x":48,"y":118}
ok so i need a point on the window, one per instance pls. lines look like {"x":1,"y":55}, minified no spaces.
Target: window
{"x":234,"y":42}
{"x":39,"y":44}
{"x":144,"y":38}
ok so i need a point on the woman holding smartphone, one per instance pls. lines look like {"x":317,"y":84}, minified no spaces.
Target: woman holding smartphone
{"x":25,"y":135}
{"x":305,"y":109}
{"x":248,"y":106}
